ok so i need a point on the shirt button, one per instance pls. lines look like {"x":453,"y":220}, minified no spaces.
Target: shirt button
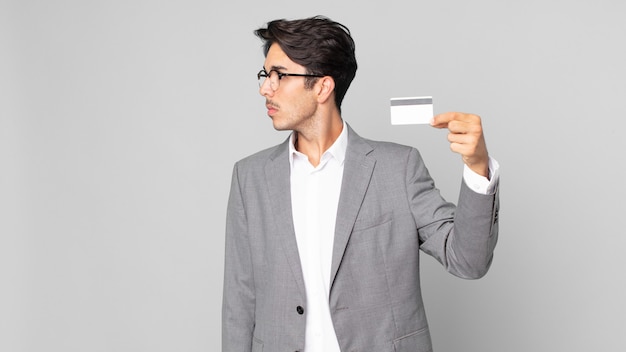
{"x":300,"y":310}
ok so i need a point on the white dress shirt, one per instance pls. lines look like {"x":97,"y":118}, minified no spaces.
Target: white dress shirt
{"x":314,"y":200}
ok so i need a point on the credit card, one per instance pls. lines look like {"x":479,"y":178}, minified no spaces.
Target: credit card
{"x":411,"y":110}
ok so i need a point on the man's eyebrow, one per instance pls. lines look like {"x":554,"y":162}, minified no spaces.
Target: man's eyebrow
{"x":276,"y":68}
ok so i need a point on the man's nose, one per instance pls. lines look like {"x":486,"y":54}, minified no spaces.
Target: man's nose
{"x":265,"y":89}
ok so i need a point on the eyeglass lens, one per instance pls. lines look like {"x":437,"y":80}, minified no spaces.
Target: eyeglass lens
{"x":272,"y":76}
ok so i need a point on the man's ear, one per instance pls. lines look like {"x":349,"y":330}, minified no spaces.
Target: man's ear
{"x":325,"y":89}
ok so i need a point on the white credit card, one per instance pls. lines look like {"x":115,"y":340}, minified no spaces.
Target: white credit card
{"x":412,"y":110}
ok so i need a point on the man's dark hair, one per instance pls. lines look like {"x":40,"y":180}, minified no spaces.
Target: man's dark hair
{"x":322,"y":46}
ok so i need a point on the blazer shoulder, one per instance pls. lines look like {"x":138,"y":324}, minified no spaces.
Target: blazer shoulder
{"x":389,"y":148}
{"x":261,"y":157}
{"x":388,"y":153}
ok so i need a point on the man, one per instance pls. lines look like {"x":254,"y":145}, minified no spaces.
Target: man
{"x":324,"y":230}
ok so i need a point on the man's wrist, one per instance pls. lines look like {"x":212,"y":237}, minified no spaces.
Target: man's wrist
{"x":482,"y":184}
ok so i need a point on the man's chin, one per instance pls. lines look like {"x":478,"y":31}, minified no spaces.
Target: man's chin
{"x":279,"y":127}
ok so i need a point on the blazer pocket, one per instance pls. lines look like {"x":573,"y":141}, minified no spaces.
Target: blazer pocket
{"x":257,"y":345}
{"x":417,"y":341}
{"x":367,"y":222}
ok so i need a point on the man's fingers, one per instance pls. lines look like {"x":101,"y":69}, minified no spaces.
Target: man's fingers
{"x":462,"y":138}
{"x":458,"y":123}
{"x":442,"y":120}
{"x":466,"y":138}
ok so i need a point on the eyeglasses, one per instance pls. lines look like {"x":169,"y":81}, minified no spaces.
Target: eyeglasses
{"x":275,"y":77}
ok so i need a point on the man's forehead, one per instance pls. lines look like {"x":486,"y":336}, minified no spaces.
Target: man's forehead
{"x":276,"y":59}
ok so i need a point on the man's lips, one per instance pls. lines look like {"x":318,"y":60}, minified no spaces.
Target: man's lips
{"x":271,"y":109}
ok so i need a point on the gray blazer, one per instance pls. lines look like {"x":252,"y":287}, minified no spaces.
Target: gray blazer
{"x":389,"y":209}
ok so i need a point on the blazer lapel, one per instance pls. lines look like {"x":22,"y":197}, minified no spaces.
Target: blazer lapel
{"x":357,"y":172}
{"x":277,"y":173}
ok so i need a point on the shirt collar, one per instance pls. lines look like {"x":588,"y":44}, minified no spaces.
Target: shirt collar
{"x":336,"y":150}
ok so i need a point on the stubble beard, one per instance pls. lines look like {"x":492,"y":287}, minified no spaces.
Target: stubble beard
{"x":303,"y":121}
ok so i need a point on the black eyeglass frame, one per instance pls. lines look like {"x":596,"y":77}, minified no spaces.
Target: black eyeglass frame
{"x":266,"y":74}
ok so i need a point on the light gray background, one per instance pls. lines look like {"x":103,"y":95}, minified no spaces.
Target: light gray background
{"x":120,"y":122}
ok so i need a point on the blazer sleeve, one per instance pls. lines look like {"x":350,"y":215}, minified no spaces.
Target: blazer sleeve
{"x":462,"y":237}
{"x":238,"y":304}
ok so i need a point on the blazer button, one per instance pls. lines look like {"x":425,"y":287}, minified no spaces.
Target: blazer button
{"x":300,"y":310}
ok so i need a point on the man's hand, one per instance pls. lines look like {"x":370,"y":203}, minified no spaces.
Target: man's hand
{"x":466,"y":138}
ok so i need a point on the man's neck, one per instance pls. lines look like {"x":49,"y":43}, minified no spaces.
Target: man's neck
{"x":315,"y":141}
